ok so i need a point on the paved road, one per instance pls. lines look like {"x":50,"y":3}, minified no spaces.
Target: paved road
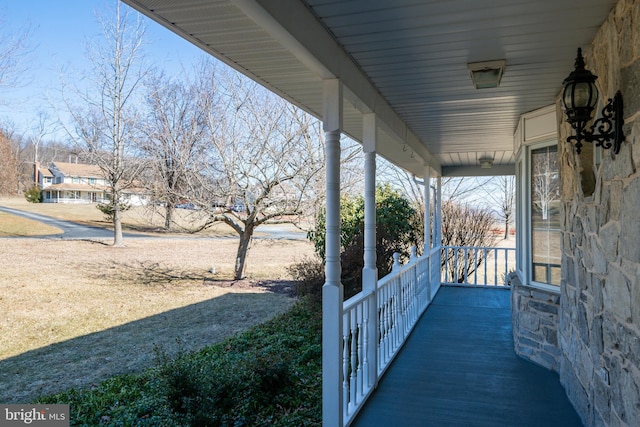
{"x":273,"y":231}
{"x":73,"y":230}
{"x":70,"y":230}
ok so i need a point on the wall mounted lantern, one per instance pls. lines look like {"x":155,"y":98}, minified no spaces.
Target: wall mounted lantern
{"x":579,"y":98}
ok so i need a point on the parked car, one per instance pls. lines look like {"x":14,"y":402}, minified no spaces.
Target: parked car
{"x":187,"y":205}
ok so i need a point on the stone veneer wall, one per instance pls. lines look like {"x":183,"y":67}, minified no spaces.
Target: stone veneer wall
{"x":599,"y":332}
{"x":534,"y":316}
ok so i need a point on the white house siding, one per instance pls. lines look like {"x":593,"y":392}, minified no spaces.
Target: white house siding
{"x":137,"y":199}
{"x":599,"y":331}
{"x":80,"y":183}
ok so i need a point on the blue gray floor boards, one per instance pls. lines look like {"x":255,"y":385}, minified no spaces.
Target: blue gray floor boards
{"x":458,"y":368}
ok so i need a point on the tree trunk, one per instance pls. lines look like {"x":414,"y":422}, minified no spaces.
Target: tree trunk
{"x":241,"y":255}
{"x":506,"y":228}
{"x":168,"y":216}
{"x":117,"y":226}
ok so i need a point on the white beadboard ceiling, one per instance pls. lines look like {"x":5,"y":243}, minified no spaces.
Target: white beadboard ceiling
{"x":405,"y":60}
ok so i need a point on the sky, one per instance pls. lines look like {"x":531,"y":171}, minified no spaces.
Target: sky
{"x":58,"y":33}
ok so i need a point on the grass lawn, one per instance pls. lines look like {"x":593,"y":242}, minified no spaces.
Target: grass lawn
{"x":269,"y":375}
{"x":138,"y":218}
{"x":73,"y":313}
{"x":11,"y":225}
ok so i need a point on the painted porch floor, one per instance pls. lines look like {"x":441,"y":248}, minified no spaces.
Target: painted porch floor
{"x":458,"y":368}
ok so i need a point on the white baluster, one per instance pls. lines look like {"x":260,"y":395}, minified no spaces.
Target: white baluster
{"x":396,"y":262}
{"x":345,"y":366}
{"x":353,"y":331}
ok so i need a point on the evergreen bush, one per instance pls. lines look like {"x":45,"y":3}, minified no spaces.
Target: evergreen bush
{"x":398,"y":227}
{"x":33,"y":194}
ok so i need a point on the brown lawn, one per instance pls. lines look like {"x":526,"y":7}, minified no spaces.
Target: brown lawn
{"x":75,"y":312}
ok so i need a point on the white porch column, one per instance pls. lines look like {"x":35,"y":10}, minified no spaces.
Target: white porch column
{"x":428,"y":229}
{"x":332,"y":291}
{"x":427,"y":209}
{"x":370,"y":270}
{"x":437,"y":218}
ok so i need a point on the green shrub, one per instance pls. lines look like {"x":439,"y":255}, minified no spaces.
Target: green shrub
{"x":309,"y":277}
{"x":33,"y":195}
{"x":398,"y":227}
{"x":256,"y":378}
{"x":270,"y":375}
{"x":108,"y":209}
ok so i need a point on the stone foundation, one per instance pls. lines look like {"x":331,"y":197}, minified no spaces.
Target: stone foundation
{"x":534,"y":315}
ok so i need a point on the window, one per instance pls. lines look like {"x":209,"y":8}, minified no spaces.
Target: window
{"x":539,"y":251}
{"x":544,"y":216}
{"x":92,"y":181}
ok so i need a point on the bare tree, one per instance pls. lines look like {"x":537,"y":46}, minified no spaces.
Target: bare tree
{"x":105,"y":126}
{"x":545,"y":185}
{"x":42,"y":127}
{"x":468,"y":189}
{"x":407,"y":184}
{"x":8,"y":167}
{"x":176,"y":131}
{"x":29,"y":150}
{"x":14,"y":51}
{"x":465,"y":226}
{"x":264,"y":158}
{"x":501,"y":192}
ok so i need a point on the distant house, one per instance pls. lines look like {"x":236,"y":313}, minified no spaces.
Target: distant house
{"x":80,"y":183}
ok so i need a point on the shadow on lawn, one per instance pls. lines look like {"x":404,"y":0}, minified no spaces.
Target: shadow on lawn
{"x":151,"y":273}
{"x":89,"y":359}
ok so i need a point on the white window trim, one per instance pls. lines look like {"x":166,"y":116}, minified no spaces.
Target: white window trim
{"x":536,"y":129}
{"x":524,"y":216}
{"x":521,"y":253}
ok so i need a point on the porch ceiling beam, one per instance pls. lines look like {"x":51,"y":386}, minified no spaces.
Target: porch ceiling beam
{"x":316,"y":47}
{"x":260,"y":16}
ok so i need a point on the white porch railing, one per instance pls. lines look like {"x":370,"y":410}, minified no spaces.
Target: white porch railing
{"x":375,"y":326}
{"x":74,"y":200}
{"x":477,"y":266}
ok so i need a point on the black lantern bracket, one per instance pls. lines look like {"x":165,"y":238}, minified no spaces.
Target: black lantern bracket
{"x":606,"y":131}
{"x":579,"y":97}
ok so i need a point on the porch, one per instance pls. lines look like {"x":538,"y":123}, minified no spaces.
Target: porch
{"x":458,"y":367}
{"x":396,"y":76}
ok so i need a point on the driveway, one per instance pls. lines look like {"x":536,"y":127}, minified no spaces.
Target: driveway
{"x":70,"y":230}
{"x":76,"y":231}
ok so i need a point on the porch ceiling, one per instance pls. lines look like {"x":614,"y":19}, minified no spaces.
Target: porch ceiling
{"x":405,"y":60}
